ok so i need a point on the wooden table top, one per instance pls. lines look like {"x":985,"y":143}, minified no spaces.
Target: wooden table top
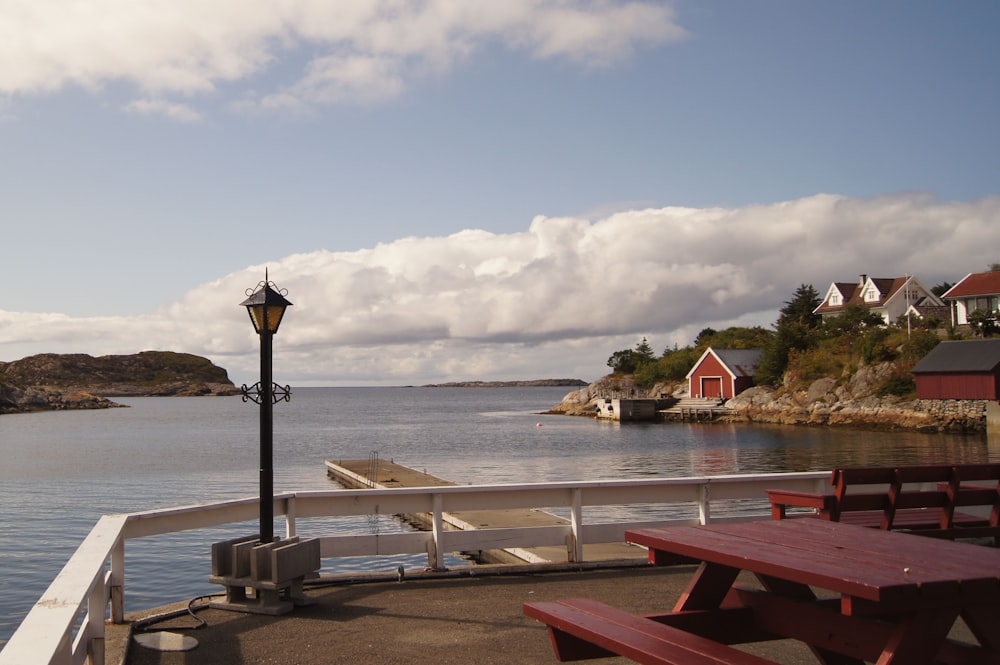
{"x":870,"y":564}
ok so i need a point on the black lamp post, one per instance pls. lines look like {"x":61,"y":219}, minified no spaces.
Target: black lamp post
{"x":266,"y":306}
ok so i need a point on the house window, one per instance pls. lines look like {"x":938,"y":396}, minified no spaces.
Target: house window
{"x":988,"y":303}
{"x":871,"y":294}
{"x":834,"y":299}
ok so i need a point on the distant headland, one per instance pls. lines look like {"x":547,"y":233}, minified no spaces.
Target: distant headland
{"x":50,"y":381}
{"x":536,"y":383}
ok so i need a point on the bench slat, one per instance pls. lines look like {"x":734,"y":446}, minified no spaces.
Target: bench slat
{"x":643,"y":640}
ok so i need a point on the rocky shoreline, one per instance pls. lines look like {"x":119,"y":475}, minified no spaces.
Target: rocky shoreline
{"x":54,"y":382}
{"x":823,"y":402}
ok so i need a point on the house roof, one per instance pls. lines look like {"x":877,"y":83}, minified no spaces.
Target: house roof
{"x":973,"y":355}
{"x":741,"y":362}
{"x":976,"y":284}
{"x":853,"y":293}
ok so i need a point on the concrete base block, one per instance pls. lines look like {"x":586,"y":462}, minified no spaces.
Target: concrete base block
{"x":264,"y":579}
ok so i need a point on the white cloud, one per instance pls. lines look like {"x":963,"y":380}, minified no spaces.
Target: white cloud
{"x":360,"y":50}
{"x":179,"y":112}
{"x":553,"y":300}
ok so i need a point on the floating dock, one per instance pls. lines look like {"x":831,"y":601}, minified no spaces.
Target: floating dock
{"x":377,"y":473}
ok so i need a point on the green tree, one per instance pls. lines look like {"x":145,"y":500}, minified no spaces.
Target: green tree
{"x":802,"y":307}
{"x":872,"y":344}
{"x":643,"y":353}
{"x":854,"y":319}
{"x":622,"y":362}
{"x":918,"y":345}
{"x":795,"y":330}
{"x":983,"y":322}
{"x":705,"y":337}
{"x":738,"y":337}
{"x":942,"y":288}
{"x":673,"y":366}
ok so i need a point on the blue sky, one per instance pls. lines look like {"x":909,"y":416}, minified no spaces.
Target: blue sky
{"x":152,"y":165}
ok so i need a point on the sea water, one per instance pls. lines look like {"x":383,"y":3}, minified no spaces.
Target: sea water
{"x":60,"y":471}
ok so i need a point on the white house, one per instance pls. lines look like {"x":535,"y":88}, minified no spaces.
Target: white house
{"x":889,"y":297}
{"x":978,"y":290}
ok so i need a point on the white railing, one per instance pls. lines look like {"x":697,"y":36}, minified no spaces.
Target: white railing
{"x":53,"y":632}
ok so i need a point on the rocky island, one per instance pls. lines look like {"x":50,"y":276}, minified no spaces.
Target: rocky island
{"x":50,"y":381}
{"x":534,"y":383}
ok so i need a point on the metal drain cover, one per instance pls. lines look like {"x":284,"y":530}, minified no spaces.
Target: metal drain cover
{"x":164,"y":641}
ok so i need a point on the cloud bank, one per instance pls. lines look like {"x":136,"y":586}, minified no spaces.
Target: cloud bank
{"x":552,"y":301}
{"x":349,"y":50}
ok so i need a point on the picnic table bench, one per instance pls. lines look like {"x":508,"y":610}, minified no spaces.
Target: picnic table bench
{"x":923,"y":499}
{"x":850,"y":594}
{"x":581,"y":628}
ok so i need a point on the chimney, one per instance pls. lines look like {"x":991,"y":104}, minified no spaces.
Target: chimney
{"x":862,"y":278}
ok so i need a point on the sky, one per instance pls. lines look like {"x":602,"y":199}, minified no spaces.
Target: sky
{"x":473,"y":190}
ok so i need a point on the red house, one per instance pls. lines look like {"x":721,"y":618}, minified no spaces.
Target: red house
{"x":723,"y":373}
{"x":966,"y":369}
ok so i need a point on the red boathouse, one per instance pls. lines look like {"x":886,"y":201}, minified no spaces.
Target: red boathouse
{"x":966,"y":369}
{"x":723,"y":373}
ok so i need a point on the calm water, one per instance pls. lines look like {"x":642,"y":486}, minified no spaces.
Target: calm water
{"x":61,"y":471}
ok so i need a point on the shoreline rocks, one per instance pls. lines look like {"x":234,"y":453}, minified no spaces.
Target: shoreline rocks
{"x":42,"y":398}
{"x":823,"y":402}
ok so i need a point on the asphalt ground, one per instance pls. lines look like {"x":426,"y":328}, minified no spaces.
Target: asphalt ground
{"x":457,"y":619}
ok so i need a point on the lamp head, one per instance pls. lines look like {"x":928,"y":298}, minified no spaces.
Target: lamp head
{"x":266,"y":307}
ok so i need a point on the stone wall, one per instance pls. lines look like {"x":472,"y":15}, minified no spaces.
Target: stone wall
{"x":966,"y":414}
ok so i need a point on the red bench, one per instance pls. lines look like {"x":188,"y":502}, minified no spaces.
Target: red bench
{"x":897,"y":498}
{"x":581,"y":628}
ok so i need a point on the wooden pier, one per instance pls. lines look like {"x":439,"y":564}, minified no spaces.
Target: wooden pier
{"x":377,"y":473}
{"x":696,"y":409}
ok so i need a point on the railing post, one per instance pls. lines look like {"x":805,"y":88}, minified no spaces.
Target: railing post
{"x":118,"y":581}
{"x":97,"y":606}
{"x":290,"y":517}
{"x":435,"y":557}
{"x":575,"y":546}
{"x":704,"y":496}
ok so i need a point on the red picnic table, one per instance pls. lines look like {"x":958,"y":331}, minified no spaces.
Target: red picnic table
{"x":852,"y":594}
{"x":895,"y":596}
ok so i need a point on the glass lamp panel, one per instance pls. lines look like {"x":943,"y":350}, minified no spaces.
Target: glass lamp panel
{"x":274,"y":314}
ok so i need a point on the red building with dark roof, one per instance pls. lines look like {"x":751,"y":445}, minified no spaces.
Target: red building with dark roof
{"x":966,"y":369}
{"x":723,"y":373}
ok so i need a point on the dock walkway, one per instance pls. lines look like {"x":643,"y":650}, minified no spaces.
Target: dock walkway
{"x":386,"y":474}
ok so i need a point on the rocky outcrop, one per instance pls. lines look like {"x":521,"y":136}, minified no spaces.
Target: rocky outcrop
{"x":582,"y":402}
{"x":820,"y":406}
{"x":850,"y":401}
{"x":79,"y":381}
{"x":24,"y":400}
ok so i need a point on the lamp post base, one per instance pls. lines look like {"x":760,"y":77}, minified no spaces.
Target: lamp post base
{"x":264,"y":578}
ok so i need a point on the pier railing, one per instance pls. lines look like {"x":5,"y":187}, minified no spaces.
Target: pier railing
{"x":66,"y":625}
